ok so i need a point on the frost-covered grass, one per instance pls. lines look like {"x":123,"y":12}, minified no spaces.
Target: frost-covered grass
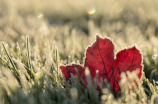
{"x":37,"y":36}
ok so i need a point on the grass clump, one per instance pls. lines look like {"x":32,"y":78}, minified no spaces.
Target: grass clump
{"x":29,"y":80}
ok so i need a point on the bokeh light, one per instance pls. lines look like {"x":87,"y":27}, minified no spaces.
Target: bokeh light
{"x":91,"y":10}
{"x":40,"y":15}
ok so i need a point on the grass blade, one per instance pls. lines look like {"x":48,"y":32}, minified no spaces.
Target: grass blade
{"x":14,"y":68}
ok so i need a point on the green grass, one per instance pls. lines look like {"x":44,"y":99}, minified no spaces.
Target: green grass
{"x":38,"y":36}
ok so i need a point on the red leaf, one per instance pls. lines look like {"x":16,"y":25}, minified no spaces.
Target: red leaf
{"x":128,"y":60}
{"x":67,"y":70}
{"x":100,"y":56}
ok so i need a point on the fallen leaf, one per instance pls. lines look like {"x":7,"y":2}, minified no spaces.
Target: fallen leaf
{"x":100,"y":56}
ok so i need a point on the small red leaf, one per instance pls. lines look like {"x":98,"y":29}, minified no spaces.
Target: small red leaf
{"x":67,"y":70}
{"x":128,"y":60}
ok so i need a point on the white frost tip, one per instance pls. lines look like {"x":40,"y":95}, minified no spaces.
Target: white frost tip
{"x":97,"y":71}
{"x":74,"y":93}
{"x":87,"y":71}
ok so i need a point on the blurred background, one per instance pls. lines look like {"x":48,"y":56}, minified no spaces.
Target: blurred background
{"x":72,"y":25}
